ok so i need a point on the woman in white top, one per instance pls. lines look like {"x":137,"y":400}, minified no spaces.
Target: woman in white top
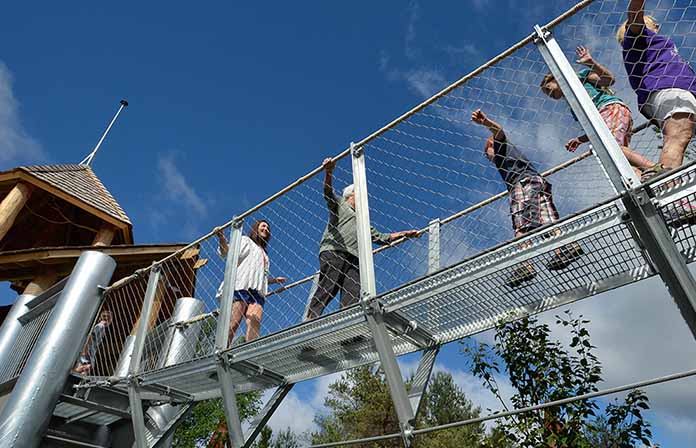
{"x":253,"y":278}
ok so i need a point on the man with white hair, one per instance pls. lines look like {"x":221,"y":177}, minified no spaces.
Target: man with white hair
{"x":338,"y":251}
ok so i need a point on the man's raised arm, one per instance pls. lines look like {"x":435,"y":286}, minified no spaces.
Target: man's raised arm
{"x":481,"y":118}
{"x":636,"y":16}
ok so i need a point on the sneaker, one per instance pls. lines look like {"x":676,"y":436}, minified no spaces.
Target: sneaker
{"x":524,"y":272}
{"x":564,"y":256}
{"x":651,"y":172}
{"x":680,"y":213}
{"x":307,"y":354}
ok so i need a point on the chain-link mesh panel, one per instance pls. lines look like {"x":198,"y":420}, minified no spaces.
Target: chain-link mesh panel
{"x":431,"y":164}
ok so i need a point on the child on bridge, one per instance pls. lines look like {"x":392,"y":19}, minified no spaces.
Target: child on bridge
{"x":531,"y":201}
{"x":596,"y":79}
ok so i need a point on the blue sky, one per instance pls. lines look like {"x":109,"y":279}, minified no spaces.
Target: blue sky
{"x":231,"y":102}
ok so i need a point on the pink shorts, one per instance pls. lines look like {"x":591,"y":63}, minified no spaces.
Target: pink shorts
{"x":618,"y":118}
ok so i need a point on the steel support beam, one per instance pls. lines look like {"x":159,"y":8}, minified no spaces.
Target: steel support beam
{"x":409,"y":329}
{"x":650,"y":227}
{"x":607,"y":149}
{"x":179,"y":346}
{"x":312,"y":290}
{"x":229,"y":397}
{"x":422,"y":378}
{"x":433,"y":246}
{"x":266,"y":413}
{"x":664,"y":254}
{"x":374,"y":312}
{"x":136,"y":404}
{"x":163,"y":440}
{"x":27,"y":412}
{"x":256,"y":371}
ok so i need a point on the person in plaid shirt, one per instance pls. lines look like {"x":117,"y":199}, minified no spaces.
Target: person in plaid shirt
{"x":531,"y":200}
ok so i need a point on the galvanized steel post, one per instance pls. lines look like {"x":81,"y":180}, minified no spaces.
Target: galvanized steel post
{"x":179,"y":346}
{"x":650,"y":227}
{"x":229,"y":398}
{"x":373,"y":309}
{"x":136,"y":407}
{"x":26,"y":414}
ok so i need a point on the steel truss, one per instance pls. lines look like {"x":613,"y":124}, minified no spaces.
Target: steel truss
{"x":625,"y":239}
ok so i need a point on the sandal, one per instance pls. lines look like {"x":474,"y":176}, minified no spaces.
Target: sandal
{"x":524,"y":272}
{"x":565,"y":256}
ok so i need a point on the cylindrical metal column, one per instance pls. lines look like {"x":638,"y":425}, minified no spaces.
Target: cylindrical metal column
{"x":26,"y":415}
{"x":124,"y":359}
{"x":179,"y":346}
{"x":11,"y":327}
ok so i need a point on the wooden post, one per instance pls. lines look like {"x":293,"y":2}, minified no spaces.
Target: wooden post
{"x":11,"y":205}
{"x":40,"y":283}
{"x":104,"y":236}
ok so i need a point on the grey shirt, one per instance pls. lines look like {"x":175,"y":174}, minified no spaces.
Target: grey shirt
{"x":341,"y":234}
{"x":95,"y":340}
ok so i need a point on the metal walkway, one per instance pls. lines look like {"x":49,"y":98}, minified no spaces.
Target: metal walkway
{"x":168,"y":347}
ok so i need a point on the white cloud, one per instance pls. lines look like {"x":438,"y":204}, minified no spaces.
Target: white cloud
{"x":425,"y":83}
{"x":465,"y":49}
{"x":640,"y":334}
{"x":298,"y":409}
{"x":480,"y":5}
{"x":176,"y":187}
{"x":413,"y":11}
{"x":295,"y":413}
{"x":15,"y":144}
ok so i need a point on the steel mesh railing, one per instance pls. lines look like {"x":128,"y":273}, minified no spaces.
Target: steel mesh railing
{"x":428,"y":164}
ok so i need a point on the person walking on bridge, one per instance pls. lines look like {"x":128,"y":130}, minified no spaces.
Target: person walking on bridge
{"x":253,"y":278}
{"x":338,"y":251}
{"x":531,"y":201}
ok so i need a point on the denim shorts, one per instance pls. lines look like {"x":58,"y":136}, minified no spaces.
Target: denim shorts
{"x":250,"y":296}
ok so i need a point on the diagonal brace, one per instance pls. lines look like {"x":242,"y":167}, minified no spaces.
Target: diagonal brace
{"x":422,"y":378}
{"x":266,"y":413}
{"x":375,"y":320}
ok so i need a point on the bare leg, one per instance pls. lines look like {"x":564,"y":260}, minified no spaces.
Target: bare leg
{"x":83,"y":369}
{"x":677,"y":131}
{"x":253,"y":320}
{"x":636,"y":159}
{"x":238,"y":309}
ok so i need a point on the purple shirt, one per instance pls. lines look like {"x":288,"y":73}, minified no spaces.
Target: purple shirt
{"x":653,"y":63}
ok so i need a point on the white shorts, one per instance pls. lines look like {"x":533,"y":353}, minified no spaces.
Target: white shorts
{"x":662,"y":104}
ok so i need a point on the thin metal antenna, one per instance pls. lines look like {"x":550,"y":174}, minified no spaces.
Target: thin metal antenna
{"x":88,"y":160}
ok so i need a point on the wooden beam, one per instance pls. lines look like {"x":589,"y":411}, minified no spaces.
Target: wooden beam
{"x":11,"y":205}
{"x":105,"y":235}
{"x":41,"y":282}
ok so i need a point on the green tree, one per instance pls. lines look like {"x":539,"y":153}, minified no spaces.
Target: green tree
{"x":444,"y":402}
{"x":360,"y":406}
{"x":207,"y":416}
{"x":264,"y":440}
{"x":540,"y":370}
{"x":286,"y":439}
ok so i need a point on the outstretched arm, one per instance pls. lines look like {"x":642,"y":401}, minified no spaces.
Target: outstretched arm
{"x":223,"y":245}
{"x":636,"y":14}
{"x":386,"y":238}
{"x":481,"y":118}
{"x":600,"y":76}
{"x":272,"y":280}
{"x":329,"y":164}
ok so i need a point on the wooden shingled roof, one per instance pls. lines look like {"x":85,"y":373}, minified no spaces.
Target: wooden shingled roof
{"x":81,"y":182}
{"x":67,"y":186}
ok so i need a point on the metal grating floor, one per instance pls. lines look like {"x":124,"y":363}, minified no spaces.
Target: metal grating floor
{"x":450,"y":304}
